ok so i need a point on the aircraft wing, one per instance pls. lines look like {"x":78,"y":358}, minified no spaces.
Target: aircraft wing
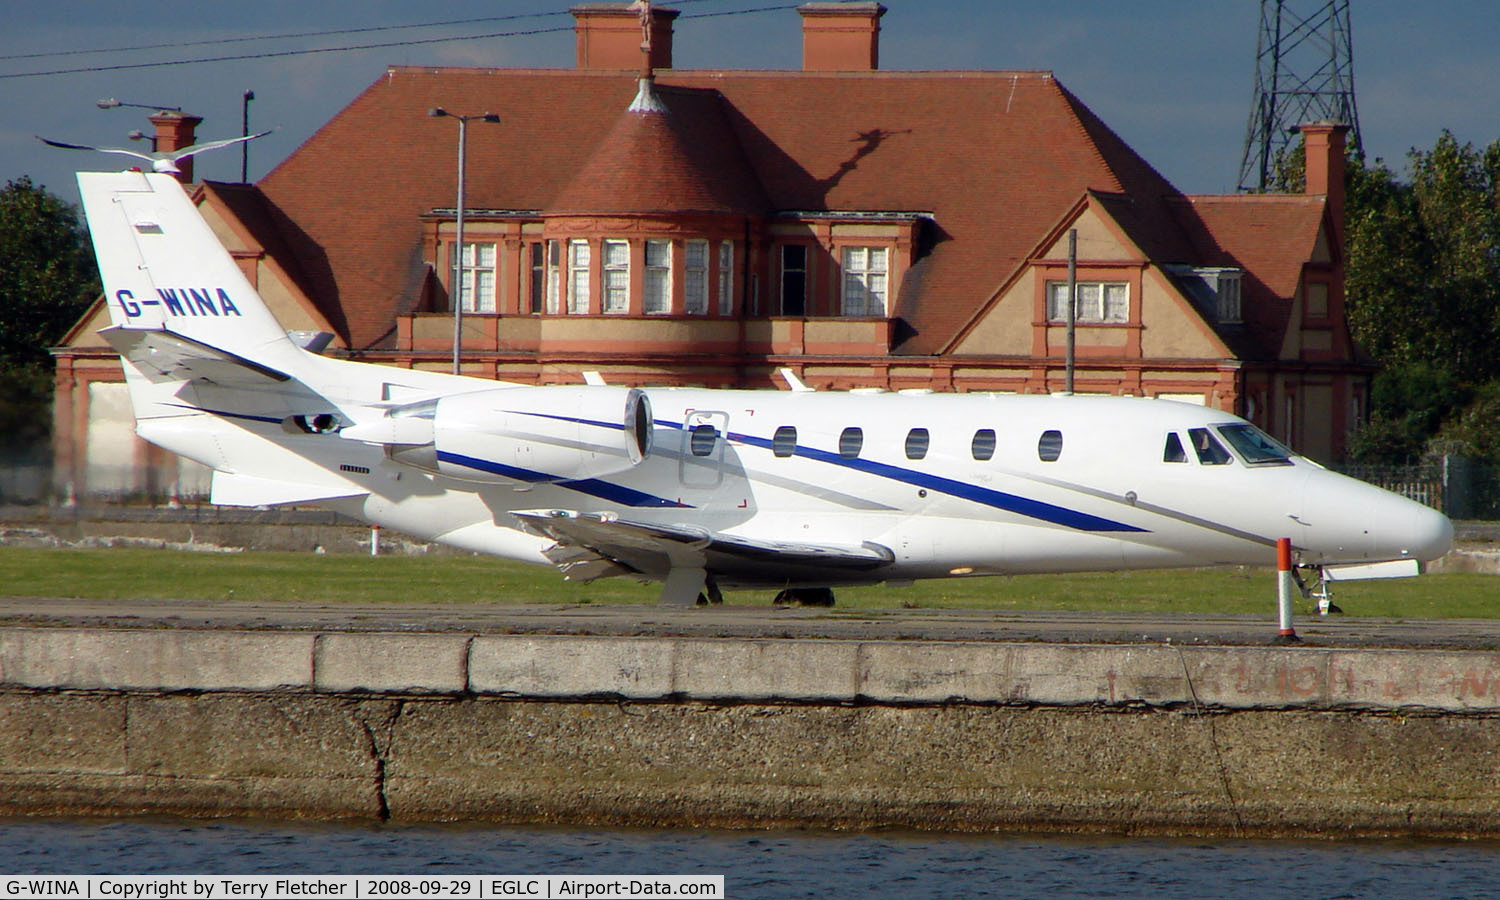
{"x":593,"y":545}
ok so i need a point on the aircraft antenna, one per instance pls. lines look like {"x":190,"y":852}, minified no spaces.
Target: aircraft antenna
{"x":1304,"y":72}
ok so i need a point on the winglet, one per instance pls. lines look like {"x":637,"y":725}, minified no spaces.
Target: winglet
{"x":793,"y":383}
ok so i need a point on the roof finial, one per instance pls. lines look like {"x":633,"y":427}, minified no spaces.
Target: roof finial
{"x":643,"y":12}
{"x":645,"y":95}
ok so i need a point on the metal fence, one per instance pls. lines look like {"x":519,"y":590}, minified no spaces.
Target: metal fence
{"x":1460,"y":487}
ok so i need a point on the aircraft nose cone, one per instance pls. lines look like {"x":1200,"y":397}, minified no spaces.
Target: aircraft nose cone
{"x":1431,"y":534}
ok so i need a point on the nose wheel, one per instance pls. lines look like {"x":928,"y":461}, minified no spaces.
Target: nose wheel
{"x":805,"y":597}
{"x":1317,"y":587}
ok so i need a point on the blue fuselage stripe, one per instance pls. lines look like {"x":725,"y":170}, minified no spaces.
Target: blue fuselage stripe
{"x":224,"y":413}
{"x":605,"y":490}
{"x":1024,"y":506}
{"x":1014,"y":503}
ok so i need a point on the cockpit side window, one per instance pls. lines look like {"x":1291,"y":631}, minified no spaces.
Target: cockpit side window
{"x":1173,"y":453}
{"x":1210,"y":451}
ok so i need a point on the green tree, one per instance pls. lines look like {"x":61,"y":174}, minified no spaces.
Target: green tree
{"x":1408,"y":404}
{"x":1422,"y":287}
{"x":1422,"y":257}
{"x":47,"y":274}
{"x":1391,"y":303}
{"x":1456,"y":200}
{"x":47,"y":280}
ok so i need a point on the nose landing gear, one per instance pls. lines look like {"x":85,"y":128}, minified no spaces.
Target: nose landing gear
{"x":1318,"y":587}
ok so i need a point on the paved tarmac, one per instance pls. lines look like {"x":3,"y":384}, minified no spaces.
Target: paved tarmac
{"x":735,"y":620}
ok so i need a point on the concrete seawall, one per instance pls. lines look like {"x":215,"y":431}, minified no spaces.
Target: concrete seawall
{"x":735,"y":731}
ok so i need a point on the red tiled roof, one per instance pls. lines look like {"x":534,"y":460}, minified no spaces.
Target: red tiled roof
{"x":269,"y":228}
{"x":1270,"y":236}
{"x":995,"y":157}
{"x":686,"y":159}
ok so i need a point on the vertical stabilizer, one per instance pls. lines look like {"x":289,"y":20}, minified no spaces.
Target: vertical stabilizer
{"x":164,"y":269}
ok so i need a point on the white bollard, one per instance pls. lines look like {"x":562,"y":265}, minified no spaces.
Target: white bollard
{"x":374,"y":540}
{"x":1284,"y":588}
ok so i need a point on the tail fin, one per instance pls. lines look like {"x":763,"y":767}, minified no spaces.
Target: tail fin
{"x":165,"y":270}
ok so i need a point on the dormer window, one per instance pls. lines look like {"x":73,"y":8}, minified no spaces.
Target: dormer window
{"x":478,"y":292}
{"x":1214,"y":289}
{"x":865,"y":280}
{"x":1098,"y":302}
{"x":1229,"y":296}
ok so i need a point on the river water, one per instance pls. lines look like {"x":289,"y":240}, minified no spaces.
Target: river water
{"x":775,"y":864}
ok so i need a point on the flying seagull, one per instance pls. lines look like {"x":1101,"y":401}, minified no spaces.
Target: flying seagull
{"x":163,"y":161}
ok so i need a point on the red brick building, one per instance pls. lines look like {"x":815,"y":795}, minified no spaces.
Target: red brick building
{"x":866,"y":228}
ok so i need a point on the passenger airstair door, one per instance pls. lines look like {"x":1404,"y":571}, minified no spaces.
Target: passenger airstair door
{"x":701,"y":464}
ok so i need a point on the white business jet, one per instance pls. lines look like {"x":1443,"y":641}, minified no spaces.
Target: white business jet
{"x":702,"y":490}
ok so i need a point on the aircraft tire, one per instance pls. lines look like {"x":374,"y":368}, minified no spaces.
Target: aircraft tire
{"x":804,"y":597}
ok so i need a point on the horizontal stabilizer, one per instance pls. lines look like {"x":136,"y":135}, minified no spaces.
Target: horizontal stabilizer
{"x":163,"y":356}
{"x":654,"y":549}
{"x":247,"y":490}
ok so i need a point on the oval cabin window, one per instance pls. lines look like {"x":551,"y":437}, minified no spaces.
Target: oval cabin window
{"x":851,"y":441}
{"x":983,"y":447}
{"x":704,"y":437}
{"x":916,"y":443}
{"x":1049,"y":448}
{"x":784,"y":441}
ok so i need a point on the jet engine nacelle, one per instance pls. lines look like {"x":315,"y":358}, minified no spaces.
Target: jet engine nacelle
{"x":527,"y":435}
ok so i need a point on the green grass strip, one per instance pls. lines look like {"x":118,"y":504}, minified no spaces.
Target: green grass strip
{"x":312,"y":579}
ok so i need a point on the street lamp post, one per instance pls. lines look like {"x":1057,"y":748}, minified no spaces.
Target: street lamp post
{"x":457,"y":291}
{"x":245,"y":132}
{"x":111,"y":103}
{"x":139,"y":135}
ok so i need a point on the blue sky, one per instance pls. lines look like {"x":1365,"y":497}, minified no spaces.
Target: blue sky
{"x":1173,"y":77}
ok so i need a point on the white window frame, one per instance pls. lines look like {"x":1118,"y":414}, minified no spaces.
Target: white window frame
{"x":695,"y":277}
{"x":866,"y":280}
{"x":1098,"y":302}
{"x":657,"y":284}
{"x":580,"y":255}
{"x":614,"y":289}
{"x":726,"y":278}
{"x":478,"y":271}
{"x":554,"y":277}
{"x":1228,"y":294}
{"x":536,"y":275}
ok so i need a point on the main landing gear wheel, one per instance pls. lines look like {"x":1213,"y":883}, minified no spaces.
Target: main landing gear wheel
{"x":710,"y":594}
{"x":805,"y":597}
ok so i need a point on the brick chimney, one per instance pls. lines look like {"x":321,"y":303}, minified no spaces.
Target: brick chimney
{"x":1323,"y":147}
{"x":841,"y":37}
{"x":609,"y":36}
{"x":175,"y":130}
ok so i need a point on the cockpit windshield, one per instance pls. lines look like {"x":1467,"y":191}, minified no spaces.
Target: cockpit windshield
{"x":1253,"y":445}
